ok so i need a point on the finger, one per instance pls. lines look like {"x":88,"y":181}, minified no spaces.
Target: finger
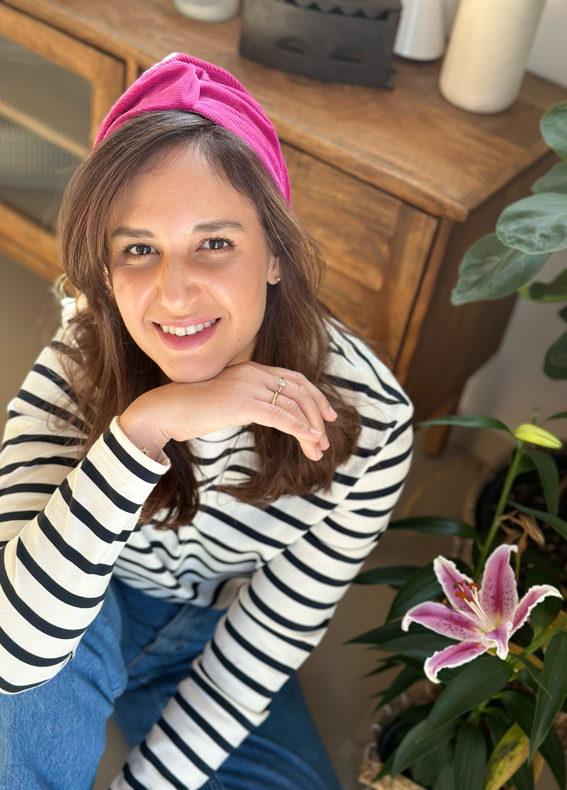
{"x":314,"y":420}
{"x":296,"y":396}
{"x":274,"y":416}
{"x":321,"y":401}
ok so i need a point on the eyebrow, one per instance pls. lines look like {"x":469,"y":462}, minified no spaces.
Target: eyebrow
{"x":202,"y":227}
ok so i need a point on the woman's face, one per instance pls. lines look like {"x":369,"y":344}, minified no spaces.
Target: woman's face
{"x":187,"y":249}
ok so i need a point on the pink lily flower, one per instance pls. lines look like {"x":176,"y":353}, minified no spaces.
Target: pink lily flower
{"x":481,"y":618}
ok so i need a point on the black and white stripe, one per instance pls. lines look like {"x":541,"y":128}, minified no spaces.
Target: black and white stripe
{"x":280,"y":571}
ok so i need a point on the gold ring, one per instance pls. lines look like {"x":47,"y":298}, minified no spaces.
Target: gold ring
{"x":282,"y":383}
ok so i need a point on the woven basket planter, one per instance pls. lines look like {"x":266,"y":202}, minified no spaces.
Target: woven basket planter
{"x":420,"y":693}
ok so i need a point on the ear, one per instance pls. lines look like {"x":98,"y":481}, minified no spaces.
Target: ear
{"x":273,"y":271}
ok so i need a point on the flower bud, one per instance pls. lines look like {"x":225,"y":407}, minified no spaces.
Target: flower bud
{"x":536,"y":435}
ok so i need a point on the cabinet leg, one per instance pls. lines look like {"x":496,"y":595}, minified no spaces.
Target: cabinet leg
{"x":436,"y":435}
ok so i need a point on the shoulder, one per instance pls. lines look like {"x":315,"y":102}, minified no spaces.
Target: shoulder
{"x":46,"y":389}
{"x":366,"y":383}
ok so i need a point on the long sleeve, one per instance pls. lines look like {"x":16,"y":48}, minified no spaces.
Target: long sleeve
{"x":62,"y":525}
{"x":276,"y":620}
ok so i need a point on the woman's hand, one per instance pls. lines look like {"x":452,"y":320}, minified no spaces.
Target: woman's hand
{"x":239,"y":395}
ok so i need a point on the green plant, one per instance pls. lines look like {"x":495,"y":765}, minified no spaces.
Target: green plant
{"x":527,"y":232}
{"x":502,"y":667}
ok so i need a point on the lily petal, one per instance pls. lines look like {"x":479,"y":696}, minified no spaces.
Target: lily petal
{"x":498,"y":596}
{"x":448,"y":575}
{"x":453,"y":656}
{"x":499,"y":639}
{"x":533,"y":596}
{"x":443,"y":620}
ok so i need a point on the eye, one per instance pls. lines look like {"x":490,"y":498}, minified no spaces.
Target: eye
{"x":138,"y":250}
{"x":218,"y":244}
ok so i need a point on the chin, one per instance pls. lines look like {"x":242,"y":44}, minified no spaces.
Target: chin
{"x":192,"y":373}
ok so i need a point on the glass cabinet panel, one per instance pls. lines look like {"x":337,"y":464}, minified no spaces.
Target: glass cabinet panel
{"x":45,"y":120}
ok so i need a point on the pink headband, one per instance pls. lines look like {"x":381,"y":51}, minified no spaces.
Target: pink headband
{"x":180,"y":82}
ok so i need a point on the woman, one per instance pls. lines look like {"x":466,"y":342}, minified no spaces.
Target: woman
{"x":194,"y":471}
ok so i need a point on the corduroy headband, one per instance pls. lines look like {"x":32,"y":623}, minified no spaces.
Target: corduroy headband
{"x":180,"y":82}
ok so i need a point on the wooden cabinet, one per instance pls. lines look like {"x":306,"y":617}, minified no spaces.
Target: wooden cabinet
{"x":376,"y":247}
{"x":54,"y":92}
{"x":393,"y":185}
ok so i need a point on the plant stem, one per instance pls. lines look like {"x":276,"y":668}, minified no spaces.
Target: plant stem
{"x":510,"y":477}
{"x":543,"y":638}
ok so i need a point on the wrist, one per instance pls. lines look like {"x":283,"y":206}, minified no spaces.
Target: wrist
{"x":141,"y":433}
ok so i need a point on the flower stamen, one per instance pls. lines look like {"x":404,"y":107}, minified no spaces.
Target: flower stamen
{"x":472,"y":600}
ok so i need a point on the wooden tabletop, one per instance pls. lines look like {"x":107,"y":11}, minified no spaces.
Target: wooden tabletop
{"x":408,"y":141}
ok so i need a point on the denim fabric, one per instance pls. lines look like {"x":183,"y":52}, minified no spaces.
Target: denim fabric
{"x":129,"y":662}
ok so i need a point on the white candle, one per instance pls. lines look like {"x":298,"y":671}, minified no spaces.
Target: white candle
{"x":487,"y":53}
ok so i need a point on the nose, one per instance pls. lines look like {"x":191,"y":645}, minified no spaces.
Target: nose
{"x":177,"y":284}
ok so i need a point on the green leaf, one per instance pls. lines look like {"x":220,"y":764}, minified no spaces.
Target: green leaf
{"x":423,"y":586}
{"x":562,"y":415}
{"x":417,"y":645}
{"x":386,"y":663}
{"x":498,"y":722}
{"x":555,"y":291}
{"x":470,"y":758}
{"x":435,"y":525}
{"x":557,"y":523}
{"x":521,"y":708}
{"x":482,"y":678}
{"x":526,"y":465}
{"x":509,"y":754}
{"x":419,"y":743}
{"x":384,"y":633}
{"x":549,"y":476}
{"x":468,"y":421}
{"x":553,"y":127}
{"x":533,"y":672}
{"x":493,"y":270}
{"x":555,"y":365}
{"x":445,"y":779}
{"x":394,"y":575}
{"x":426,"y":770}
{"x":536,"y":225}
{"x":401,"y":682}
{"x":523,"y":778}
{"x":553,"y":181}
{"x":545,"y":613}
{"x":555,"y":678}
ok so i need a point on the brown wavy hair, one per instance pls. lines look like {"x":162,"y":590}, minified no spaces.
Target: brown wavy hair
{"x":106,"y":368}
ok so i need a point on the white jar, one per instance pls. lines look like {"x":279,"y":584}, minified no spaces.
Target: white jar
{"x":208,"y":10}
{"x":421,"y":32}
{"x":487,"y":53}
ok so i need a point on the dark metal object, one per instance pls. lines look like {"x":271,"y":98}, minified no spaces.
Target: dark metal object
{"x":333,"y":40}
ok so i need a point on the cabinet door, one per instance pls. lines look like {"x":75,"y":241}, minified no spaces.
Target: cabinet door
{"x":54,"y":93}
{"x":376,"y":247}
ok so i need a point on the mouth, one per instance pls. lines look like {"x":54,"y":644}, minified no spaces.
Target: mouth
{"x":184,"y":338}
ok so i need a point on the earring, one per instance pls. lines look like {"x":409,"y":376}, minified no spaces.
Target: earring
{"x":278,"y":280}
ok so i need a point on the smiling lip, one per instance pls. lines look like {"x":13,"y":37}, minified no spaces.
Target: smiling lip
{"x":187,"y":342}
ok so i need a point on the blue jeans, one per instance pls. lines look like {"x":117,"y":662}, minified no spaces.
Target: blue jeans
{"x":129,"y":663}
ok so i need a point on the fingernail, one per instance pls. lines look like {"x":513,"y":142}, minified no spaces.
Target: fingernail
{"x":315,"y":433}
{"x":319,"y":453}
{"x":332,"y":412}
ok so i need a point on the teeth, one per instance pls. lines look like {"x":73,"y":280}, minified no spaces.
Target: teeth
{"x":181,"y":331}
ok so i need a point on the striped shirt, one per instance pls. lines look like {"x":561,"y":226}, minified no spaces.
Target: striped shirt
{"x":67,"y":525}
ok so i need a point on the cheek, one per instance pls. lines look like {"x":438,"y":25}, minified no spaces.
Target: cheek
{"x":131,"y":291}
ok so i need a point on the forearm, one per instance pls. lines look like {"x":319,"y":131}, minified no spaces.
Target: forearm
{"x":57,"y":567}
